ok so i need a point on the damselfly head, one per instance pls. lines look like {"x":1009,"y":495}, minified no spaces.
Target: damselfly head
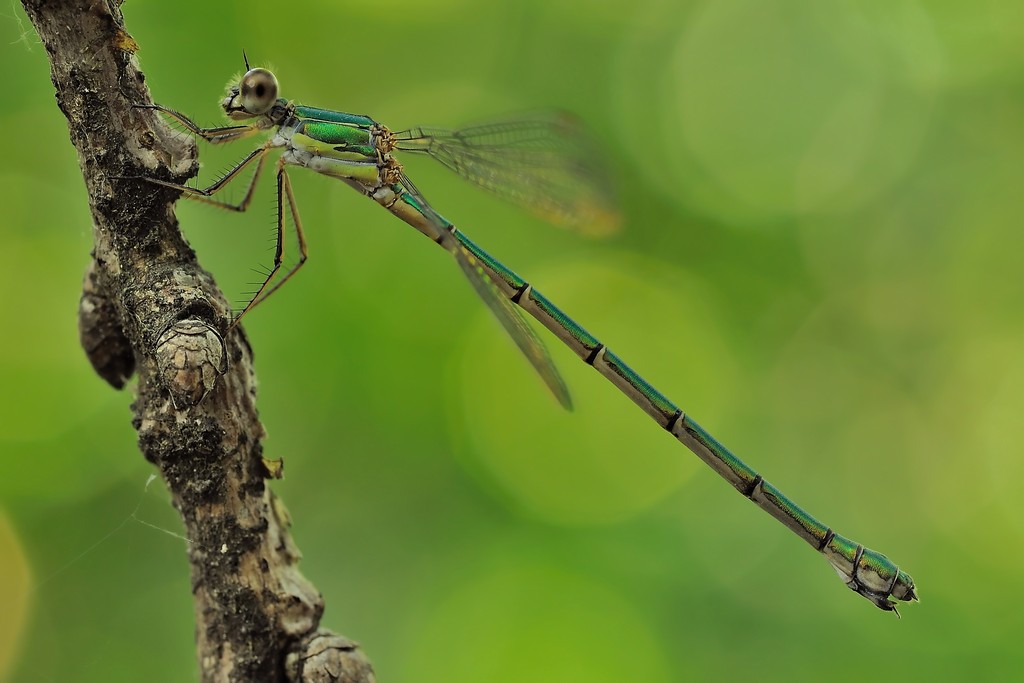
{"x":254,"y":95}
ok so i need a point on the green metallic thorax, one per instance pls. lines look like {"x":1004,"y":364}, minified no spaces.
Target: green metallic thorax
{"x":331,"y":116}
{"x":348,"y":137}
{"x":347,"y":146}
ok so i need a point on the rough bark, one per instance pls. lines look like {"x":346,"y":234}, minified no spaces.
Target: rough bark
{"x":148,"y":307}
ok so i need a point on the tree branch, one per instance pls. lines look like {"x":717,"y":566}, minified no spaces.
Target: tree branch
{"x":148,"y":307}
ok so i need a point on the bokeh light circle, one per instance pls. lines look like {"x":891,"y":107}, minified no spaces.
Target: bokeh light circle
{"x":534,"y":623}
{"x":765,"y":109}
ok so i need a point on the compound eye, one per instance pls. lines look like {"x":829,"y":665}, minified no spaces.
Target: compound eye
{"x":258,"y":91}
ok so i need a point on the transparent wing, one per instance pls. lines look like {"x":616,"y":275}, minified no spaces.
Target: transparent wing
{"x":543,"y":162}
{"x":504,"y":310}
{"x":512,"y":320}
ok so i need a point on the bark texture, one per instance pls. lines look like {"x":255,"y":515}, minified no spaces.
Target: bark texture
{"x":148,"y":307}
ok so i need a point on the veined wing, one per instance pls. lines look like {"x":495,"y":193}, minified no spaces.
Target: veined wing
{"x":543,"y":162}
{"x":512,"y":320}
{"x":503,"y":309}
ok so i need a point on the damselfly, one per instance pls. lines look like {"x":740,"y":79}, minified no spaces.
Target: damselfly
{"x":544,"y":163}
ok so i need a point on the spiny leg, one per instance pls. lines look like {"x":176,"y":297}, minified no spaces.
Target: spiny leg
{"x":215,"y":136}
{"x":258,"y":155}
{"x":284,"y":194}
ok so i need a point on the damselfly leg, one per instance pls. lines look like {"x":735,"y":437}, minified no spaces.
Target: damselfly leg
{"x":205,"y":195}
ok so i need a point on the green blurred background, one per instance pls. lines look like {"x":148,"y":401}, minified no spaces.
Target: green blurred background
{"x":820,"y":261}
